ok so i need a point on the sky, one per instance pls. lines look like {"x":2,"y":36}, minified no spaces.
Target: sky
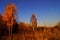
{"x":46,"y":11}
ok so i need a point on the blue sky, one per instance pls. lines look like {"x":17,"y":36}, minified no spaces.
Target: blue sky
{"x":46,"y":11}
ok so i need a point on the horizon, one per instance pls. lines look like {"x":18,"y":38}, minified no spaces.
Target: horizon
{"x":46,"y":12}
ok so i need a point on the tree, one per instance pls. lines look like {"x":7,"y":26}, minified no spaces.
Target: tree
{"x":0,"y":20}
{"x":9,"y":14}
{"x":58,"y":26}
{"x":3,"y":27}
{"x":33,"y":21}
{"x":9,"y":17}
